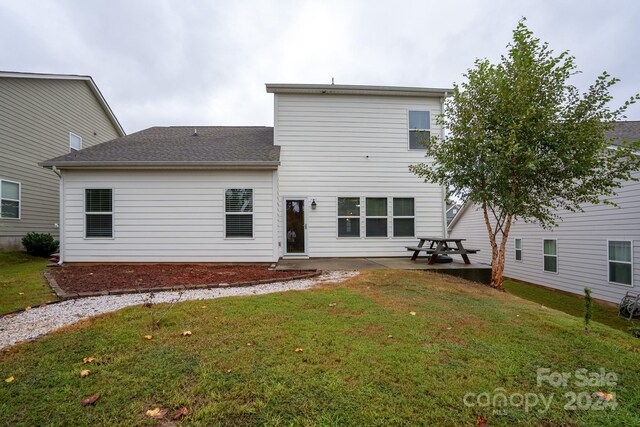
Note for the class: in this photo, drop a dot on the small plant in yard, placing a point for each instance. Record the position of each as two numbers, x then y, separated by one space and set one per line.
156 312
587 308
635 331
40 244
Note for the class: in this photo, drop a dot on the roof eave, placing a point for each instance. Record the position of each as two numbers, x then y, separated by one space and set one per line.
163 165
286 88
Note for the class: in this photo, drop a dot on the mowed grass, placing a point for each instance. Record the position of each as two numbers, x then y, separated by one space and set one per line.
573 305
365 360
21 282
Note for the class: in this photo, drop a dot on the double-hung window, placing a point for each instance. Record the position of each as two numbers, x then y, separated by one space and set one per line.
403 217
348 216
550 255
238 211
376 216
419 129
98 212
75 142
518 245
620 262
9 199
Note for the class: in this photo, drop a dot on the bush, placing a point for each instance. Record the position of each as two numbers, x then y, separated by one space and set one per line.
40 244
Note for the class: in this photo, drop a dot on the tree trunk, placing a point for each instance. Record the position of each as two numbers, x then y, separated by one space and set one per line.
497 252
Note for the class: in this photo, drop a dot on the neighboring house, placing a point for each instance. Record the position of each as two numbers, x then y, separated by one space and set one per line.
329 179
598 248
452 211
41 116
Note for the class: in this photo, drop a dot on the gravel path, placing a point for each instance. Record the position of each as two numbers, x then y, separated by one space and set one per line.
36 322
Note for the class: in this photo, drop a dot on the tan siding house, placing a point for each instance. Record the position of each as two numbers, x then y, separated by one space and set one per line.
43 116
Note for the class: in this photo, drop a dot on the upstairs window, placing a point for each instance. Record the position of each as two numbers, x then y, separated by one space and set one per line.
348 216
376 212
9 199
403 217
620 262
238 208
550 255
75 142
518 244
419 129
98 211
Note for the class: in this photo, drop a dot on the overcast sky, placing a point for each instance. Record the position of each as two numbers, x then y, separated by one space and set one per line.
161 62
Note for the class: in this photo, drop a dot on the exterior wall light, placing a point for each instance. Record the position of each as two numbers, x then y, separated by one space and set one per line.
314 205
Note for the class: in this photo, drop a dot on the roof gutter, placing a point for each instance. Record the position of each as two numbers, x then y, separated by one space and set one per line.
155 165
356 90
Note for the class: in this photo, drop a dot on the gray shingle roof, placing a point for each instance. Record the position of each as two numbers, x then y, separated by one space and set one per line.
627 130
225 146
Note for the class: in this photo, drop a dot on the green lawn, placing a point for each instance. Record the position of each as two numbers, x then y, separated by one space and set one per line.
365 360
573 305
21 282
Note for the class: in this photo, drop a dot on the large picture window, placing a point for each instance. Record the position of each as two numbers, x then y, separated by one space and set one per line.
348 216
403 217
419 129
98 212
238 208
9 199
376 213
620 262
550 255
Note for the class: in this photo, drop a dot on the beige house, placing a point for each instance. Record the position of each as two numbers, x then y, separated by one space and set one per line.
43 116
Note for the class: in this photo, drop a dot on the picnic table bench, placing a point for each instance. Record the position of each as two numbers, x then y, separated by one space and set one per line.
441 248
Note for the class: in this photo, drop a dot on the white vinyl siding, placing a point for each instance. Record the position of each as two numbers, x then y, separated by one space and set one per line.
404 217
238 213
620 256
582 245
376 221
349 216
10 199
518 249
344 146
550 255
75 142
169 216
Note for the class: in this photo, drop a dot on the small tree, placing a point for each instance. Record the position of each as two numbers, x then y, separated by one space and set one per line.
587 308
522 143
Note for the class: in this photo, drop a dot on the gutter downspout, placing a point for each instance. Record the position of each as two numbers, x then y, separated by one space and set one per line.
61 220
445 231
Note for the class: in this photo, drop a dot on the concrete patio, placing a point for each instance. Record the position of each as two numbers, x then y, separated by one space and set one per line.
476 272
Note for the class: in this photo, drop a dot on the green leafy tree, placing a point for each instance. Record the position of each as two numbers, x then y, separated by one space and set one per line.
523 143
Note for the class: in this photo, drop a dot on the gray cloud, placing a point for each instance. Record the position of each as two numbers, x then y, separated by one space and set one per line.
199 62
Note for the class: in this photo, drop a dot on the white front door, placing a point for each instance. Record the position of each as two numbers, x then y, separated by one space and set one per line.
295 226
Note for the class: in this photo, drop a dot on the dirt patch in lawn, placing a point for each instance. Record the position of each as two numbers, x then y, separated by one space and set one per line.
101 278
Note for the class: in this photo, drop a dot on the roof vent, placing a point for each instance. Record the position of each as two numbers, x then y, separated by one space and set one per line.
195 132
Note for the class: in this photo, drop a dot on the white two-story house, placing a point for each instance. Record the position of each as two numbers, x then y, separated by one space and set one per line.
330 178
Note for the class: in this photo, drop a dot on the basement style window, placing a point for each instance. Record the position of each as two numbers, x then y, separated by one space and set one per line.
75 142
403 217
9 199
238 208
419 129
620 262
550 253
518 245
98 212
348 216
376 213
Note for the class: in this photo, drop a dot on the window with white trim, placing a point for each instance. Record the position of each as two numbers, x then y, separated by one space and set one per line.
518 246
376 216
620 262
75 142
348 216
9 199
238 211
419 129
98 212
403 217
550 255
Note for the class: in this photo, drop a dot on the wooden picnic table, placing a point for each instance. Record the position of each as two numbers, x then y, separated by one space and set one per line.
442 247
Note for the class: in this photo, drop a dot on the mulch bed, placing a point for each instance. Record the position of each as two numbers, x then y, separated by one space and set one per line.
100 278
